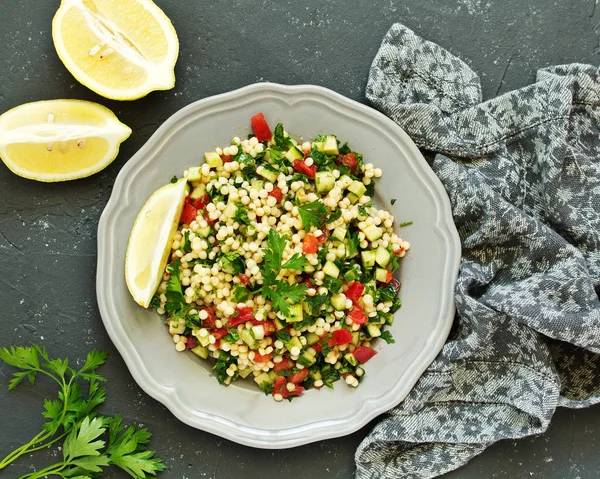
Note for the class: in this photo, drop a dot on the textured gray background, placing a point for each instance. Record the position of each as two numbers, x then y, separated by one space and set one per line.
48 232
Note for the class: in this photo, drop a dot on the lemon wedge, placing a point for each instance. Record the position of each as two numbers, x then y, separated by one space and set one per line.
121 49
59 140
150 241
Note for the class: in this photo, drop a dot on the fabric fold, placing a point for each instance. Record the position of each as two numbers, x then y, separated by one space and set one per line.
523 177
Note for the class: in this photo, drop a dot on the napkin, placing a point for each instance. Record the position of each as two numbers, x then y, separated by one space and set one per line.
522 172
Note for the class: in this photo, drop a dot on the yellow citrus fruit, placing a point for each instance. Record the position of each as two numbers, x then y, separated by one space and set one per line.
59 140
121 49
150 241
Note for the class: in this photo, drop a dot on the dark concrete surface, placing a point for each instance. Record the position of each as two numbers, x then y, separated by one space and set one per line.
48 232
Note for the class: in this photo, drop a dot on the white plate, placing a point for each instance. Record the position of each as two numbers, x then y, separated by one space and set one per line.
241 412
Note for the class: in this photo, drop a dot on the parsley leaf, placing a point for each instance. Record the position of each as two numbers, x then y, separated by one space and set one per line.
387 337
187 244
336 215
312 214
232 263
295 262
174 293
393 201
406 223
174 179
282 142
352 243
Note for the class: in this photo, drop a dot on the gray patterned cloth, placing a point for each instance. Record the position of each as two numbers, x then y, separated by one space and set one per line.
523 175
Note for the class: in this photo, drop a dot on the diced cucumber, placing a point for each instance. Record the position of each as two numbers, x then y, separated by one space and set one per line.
373 330
355 337
213 159
293 154
203 232
368 258
312 338
273 375
258 332
360 372
307 359
257 184
244 373
357 188
330 269
267 172
200 351
330 145
339 233
247 337
194 173
353 273
293 343
338 302
279 324
324 181
296 313
345 181
263 378
203 340
230 210
381 275
373 232
382 256
315 374
352 198
318 145
351 359
198 192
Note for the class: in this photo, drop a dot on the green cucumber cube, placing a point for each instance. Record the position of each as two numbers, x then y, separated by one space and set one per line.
194 174
373 232
213 159
357 188
296 313
324 181
373 330
330 145
381 275
294 154
200 351
339 233
338 302
330 269
382 256
368 258
198 192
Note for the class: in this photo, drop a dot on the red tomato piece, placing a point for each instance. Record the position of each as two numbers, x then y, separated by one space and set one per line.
219 333
244 279
350 160
207 218
310 244
279 385
342 336
317 347
302 167
307 282
228 158
398 251
209 322
189 214
288 394
269 327
298 377
243 314
276 193
262 358
201 203
261 129
389 277
363 354
286 365
355 291
357 315
191 342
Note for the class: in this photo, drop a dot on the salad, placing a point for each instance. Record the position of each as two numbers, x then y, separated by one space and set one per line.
282 268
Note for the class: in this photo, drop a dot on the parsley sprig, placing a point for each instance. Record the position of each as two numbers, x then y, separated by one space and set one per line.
278 291
72 417
313 214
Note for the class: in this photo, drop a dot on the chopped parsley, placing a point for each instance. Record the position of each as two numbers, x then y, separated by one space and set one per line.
406 223
313 214
393 201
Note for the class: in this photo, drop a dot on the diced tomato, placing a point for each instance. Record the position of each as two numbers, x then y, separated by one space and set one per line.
209 322
355 291
317 347
217 344
189 213
298 377
219 333
325 236
279 384
201 203
330 341
227 158
285 365
342 336
388 277
350 160
262 358
244 279
302 167
191 342
269 327
261 129
357 315
399 251
310 244
243 314
208 219
363 354
276 193
288 394
307 282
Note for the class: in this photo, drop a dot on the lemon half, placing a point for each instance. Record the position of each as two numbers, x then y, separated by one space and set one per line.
59 140
150 241
121 49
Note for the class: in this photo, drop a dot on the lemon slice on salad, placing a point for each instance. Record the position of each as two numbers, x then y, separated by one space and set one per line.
59 140
150 241
121 49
